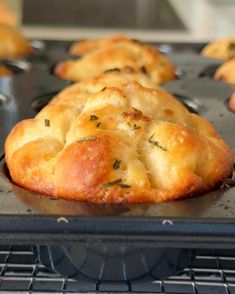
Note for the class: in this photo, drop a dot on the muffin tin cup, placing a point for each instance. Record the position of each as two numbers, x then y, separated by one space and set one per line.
116 242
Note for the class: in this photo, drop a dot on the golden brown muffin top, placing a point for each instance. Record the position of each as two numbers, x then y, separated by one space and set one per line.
120 144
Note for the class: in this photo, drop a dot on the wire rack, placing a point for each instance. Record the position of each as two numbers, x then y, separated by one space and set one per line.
213 271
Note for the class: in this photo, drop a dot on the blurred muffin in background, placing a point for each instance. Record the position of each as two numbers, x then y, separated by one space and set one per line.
223 49
116 52
226 72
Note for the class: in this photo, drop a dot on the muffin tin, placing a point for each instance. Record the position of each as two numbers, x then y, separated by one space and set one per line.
120 242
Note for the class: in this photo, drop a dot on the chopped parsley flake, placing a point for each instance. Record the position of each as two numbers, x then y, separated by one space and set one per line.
156 143
117 164
124 186
134 127
47 123
87 139
93 117
110 184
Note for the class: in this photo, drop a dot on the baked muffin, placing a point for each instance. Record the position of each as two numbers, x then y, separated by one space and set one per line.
223 49
12 43
123 144
232 103
5 71
226 72
118 54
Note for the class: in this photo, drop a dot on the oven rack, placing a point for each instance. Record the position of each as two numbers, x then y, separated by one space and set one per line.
212 271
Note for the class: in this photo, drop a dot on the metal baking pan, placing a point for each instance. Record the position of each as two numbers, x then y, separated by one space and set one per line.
103 242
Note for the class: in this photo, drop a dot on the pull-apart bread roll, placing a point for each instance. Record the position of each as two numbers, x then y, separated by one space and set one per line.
223 49
12 43
109 54
226 72
120 144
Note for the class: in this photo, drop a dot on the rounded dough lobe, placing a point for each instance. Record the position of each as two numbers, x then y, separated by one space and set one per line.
34 165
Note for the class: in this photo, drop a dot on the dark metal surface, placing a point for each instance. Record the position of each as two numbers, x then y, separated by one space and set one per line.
120 262
207 220
212 272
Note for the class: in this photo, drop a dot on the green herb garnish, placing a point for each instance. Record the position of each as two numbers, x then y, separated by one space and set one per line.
143 69
87 139
112 69
134 127
117 164
156 143
47 123
124 186
231 46
110 184
93 117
